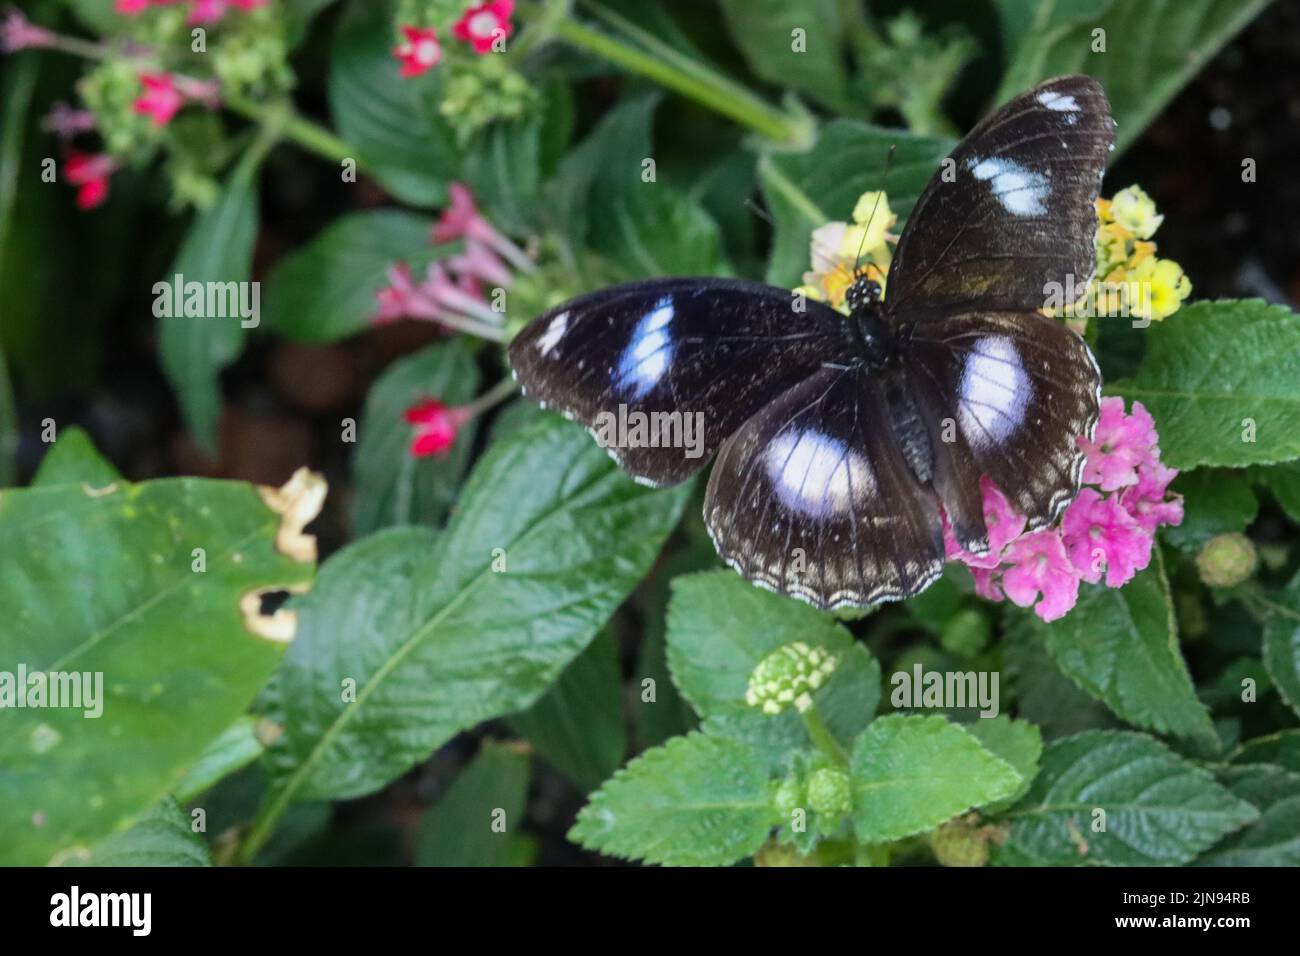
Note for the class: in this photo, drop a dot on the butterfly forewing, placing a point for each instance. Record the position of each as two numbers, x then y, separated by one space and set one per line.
812 497
670 355
1008 221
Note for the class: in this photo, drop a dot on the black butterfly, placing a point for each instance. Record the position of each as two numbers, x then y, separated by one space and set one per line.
839 438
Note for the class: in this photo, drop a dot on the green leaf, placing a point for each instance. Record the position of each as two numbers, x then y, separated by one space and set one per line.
1282 642
578 724
392 486
236 748
326 290
1281 748
392 121
1018 742
720 626
910 774
1042 693
104 583
807 190
1273 839
1214 502
161 837
73 460
763 29
1151 49
433 639
1159 809
218 250
696 801
1215 372
478 819
1121 646
503 167
8 427
1284 483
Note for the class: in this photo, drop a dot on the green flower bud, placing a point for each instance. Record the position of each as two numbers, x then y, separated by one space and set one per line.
828 791
1226 560
787 676
789 796
772 853
966 633
958 843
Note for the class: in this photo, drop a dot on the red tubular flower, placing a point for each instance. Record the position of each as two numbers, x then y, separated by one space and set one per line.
436 426
481 25
90 174
419 52
160 100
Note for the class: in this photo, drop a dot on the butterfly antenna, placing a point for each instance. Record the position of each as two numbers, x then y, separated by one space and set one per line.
884 180
759 211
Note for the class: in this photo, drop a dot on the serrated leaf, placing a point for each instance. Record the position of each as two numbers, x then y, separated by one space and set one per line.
1214 502
763 29
163 836
720 626
1018 742
218 249
578 724
478 819
73 459
1282 642
436 640
1151 49
392 121
909 774
695 801
1273 839
1121 646
807 190
392 486
103 582
1042 693
1215 372
1159 809
326 290
1281 748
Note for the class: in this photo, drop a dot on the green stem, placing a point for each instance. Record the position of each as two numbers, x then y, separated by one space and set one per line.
822 738
657 61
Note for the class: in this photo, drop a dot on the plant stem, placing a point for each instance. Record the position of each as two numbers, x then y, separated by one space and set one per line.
824 740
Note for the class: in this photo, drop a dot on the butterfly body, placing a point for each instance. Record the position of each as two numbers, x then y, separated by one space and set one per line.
843 443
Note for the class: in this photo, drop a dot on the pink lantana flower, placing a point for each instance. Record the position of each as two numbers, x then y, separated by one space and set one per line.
1004 525
436 425
1040 575
1122 442
19 33
1146 501
160 100
90 175
419 50
483 24
1100 535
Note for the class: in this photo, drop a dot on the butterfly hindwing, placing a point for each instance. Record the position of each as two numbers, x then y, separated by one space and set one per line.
812 497
1010 217
713 351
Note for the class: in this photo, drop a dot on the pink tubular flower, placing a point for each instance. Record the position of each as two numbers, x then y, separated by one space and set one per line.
436 426
479 262
19 33
130 8
1039 566
1121 444
206 11
1146 502
1100 535
483 24
461 218
65 122
160 100
90 174
419 51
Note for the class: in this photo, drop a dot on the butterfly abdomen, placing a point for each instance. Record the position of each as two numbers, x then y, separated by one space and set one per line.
909 429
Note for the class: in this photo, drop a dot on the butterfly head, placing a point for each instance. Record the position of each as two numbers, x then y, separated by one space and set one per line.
864 294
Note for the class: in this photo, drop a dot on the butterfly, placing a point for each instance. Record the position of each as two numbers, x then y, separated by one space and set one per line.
843 442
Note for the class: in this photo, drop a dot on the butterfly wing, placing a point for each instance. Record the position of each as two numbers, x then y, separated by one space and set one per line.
1014 210
1004 394
813 497
718 349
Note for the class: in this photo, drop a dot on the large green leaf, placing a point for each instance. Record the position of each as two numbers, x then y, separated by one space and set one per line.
433 639
1043 694
1281 748
106 581
810 189
1273 839
1215 501
392 486
1119 798
910 773
720 626
392 121
72 459
578 724
478 819
1216 372
696 801
194 349
1152 47
236 748
765 32
1018 742
326 289
1121 646
161 837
